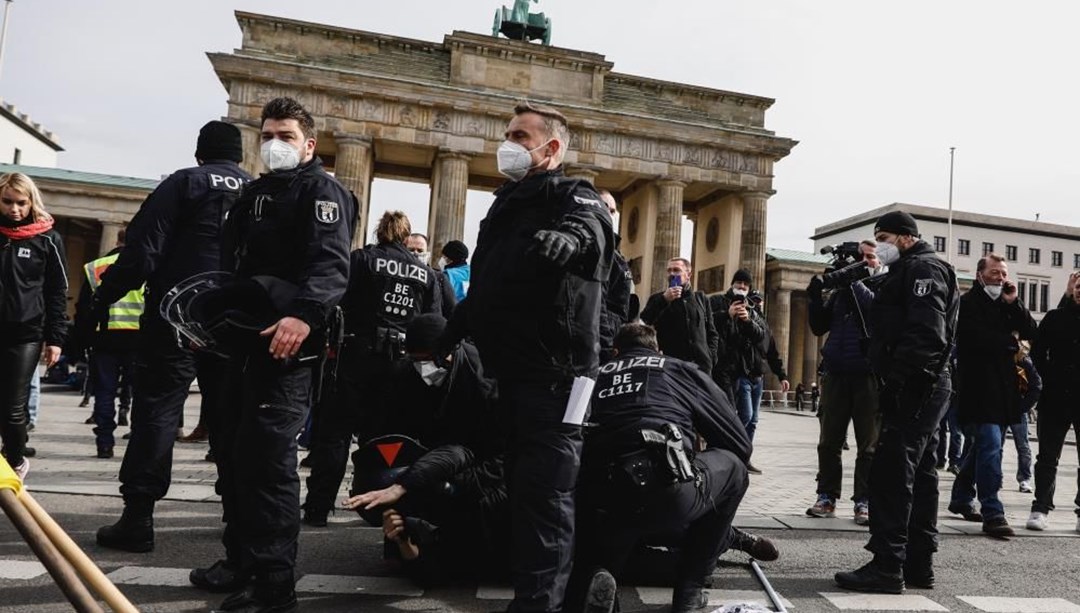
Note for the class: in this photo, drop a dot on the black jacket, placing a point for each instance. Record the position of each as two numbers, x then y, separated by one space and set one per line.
617 291
744 345
913 318
33 289
296 225
530 319
447 299
845 317
985 361
1056 354
388 286
684 327
176 234
652 390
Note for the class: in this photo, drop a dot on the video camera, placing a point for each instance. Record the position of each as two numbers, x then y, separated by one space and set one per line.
846 267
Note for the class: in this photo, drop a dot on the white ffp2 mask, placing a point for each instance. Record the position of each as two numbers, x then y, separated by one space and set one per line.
279 155
514 160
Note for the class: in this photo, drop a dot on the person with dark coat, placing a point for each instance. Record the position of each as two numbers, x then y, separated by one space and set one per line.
618 288
533 310
1056 354
294 224
417 244
388 287
683 318
643 474
450 408
912 330
33 305
1030 384
175 235
992 316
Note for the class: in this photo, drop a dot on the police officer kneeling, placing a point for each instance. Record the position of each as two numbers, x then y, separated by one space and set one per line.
641 477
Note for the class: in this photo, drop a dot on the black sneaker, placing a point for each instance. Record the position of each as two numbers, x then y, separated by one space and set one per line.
104 452
221 577
870 578
759 547
969 513
689 600
602 593
998 527
248 601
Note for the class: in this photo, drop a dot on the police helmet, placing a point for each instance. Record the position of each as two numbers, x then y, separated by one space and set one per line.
223 313
378 463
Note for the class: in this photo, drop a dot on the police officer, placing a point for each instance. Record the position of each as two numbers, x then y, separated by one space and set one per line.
295 223
640 475
533 310
912 329
618 289
175 234
388 286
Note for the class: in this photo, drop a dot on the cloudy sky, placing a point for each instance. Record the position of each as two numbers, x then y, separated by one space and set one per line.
876 92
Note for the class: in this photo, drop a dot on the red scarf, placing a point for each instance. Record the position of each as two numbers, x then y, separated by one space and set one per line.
29 230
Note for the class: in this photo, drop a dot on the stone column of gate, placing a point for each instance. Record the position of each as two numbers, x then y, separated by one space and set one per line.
780 324
251 141
354 166
752 254
669 206
110 234
446 215
800 324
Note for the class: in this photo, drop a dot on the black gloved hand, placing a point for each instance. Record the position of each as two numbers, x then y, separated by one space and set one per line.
556 247
98 309
815 288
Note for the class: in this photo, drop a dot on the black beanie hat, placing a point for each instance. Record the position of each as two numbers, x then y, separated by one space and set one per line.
743 275
897 222
423 332
219 141
455 251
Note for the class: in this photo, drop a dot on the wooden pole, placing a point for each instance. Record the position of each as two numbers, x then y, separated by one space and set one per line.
60 569
82 563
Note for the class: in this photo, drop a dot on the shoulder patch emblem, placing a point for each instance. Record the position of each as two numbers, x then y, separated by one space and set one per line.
327 211
922 287
589 201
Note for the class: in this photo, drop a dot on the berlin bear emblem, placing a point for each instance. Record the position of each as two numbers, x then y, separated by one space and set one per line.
327 211
922 287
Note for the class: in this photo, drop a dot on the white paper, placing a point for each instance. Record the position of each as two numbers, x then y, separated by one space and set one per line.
578 405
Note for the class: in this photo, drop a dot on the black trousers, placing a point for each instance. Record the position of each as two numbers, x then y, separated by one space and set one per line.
543 462
264 409
112 370
903 477
1055 419
17 364
695 517
164 371
348 407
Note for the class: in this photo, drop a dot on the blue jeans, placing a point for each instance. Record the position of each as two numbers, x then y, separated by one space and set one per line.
1023 449
748 402
35 396
980 470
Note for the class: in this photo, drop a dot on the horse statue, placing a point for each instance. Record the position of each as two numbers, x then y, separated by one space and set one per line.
519 24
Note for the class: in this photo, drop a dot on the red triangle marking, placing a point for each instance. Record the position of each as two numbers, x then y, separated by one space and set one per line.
389 451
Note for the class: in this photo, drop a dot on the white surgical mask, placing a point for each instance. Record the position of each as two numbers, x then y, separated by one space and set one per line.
442 262
423 256
515 160
740 292
279 155
994 291
431 374
887 253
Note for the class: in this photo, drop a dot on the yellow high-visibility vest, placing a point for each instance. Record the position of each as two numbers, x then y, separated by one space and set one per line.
123 314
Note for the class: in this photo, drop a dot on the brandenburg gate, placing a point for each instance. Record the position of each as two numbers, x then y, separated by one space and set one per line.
397 108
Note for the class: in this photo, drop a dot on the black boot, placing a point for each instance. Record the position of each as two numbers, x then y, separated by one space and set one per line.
222 577
759 547
919 570
252 600
872 578
122 419
689 600
134 532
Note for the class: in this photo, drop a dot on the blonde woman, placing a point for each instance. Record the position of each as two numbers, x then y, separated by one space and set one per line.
33 299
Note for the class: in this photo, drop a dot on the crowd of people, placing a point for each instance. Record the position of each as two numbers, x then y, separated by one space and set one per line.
517 416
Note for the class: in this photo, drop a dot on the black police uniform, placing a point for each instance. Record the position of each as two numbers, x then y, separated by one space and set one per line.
617 308
627 490
296 225
536 325
912 330
176 234
388 286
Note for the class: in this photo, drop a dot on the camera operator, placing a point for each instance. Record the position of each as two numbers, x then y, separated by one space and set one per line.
848 387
